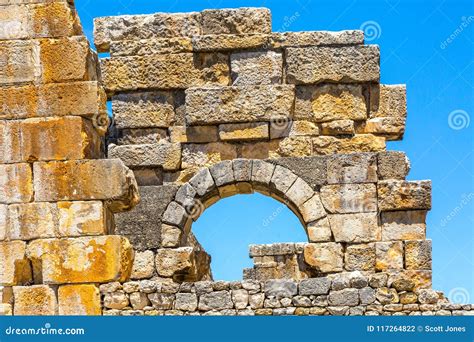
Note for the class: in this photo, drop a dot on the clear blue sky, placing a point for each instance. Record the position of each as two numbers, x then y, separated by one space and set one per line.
440 80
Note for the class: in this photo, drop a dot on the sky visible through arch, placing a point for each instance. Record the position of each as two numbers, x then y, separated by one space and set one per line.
426 44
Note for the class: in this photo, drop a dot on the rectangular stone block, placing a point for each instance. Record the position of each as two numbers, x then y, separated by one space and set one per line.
203 155
244 131
239 104
75 98
236 21
32 221
360 257
79 300
316 38
81 260
388 101
3 221
67 59
194 134
138 136
49 139
325 145
329 102
19 62
324 257
392 165
391 128
143 109
23 22
418 255
151 46
133 27
403 225
164 154
310 65
175 71
16 269
259 67
106 179
338 127
227 42
84 218
16 181
349 198
389 255
355 228
36 300
404 195
352 168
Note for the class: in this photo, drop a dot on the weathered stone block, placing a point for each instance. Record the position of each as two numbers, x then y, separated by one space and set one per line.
133 27
299 146
299 192
32 221
352 168
170 236
281 288
240 298
353 228
142 225
194 134
244 131
18 62
311 169
143 265
186 301
325 145
403 225
36 300
86 180
236 21
175 71
215 301
84 218
418 255
79 300
392 165
313 210
75 98
324 257
150 46
143 109
316 38
314 286
227 42
116 300
339 127
138 136
390 128
348 297
162 154
78 260
404 195
170 262
256 67
330 102
349 198
282 179
16 181
253 103
339 64
319 231
3 221
388 101
360 257
389 255
15 268
204 155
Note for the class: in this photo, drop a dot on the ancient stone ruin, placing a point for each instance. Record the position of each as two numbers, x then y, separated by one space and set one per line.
205 106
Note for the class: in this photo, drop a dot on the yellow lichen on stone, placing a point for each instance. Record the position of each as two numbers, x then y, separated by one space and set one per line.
79 300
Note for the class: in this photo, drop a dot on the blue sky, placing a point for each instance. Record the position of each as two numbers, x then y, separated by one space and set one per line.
427 45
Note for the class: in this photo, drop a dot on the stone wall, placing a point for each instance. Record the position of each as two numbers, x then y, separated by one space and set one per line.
205 106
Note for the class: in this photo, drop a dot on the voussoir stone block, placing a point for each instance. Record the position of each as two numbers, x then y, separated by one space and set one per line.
353 228
299 192
222 173
236 21
79 300
15 268
262 172
349 198
324 257
404 195
252 103
324 103
36 300
86 180
312 209
174 71
203 182
282 179
81 260
256 68
338 64
16 182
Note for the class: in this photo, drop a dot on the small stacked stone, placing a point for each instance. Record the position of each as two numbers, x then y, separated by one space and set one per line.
57 196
